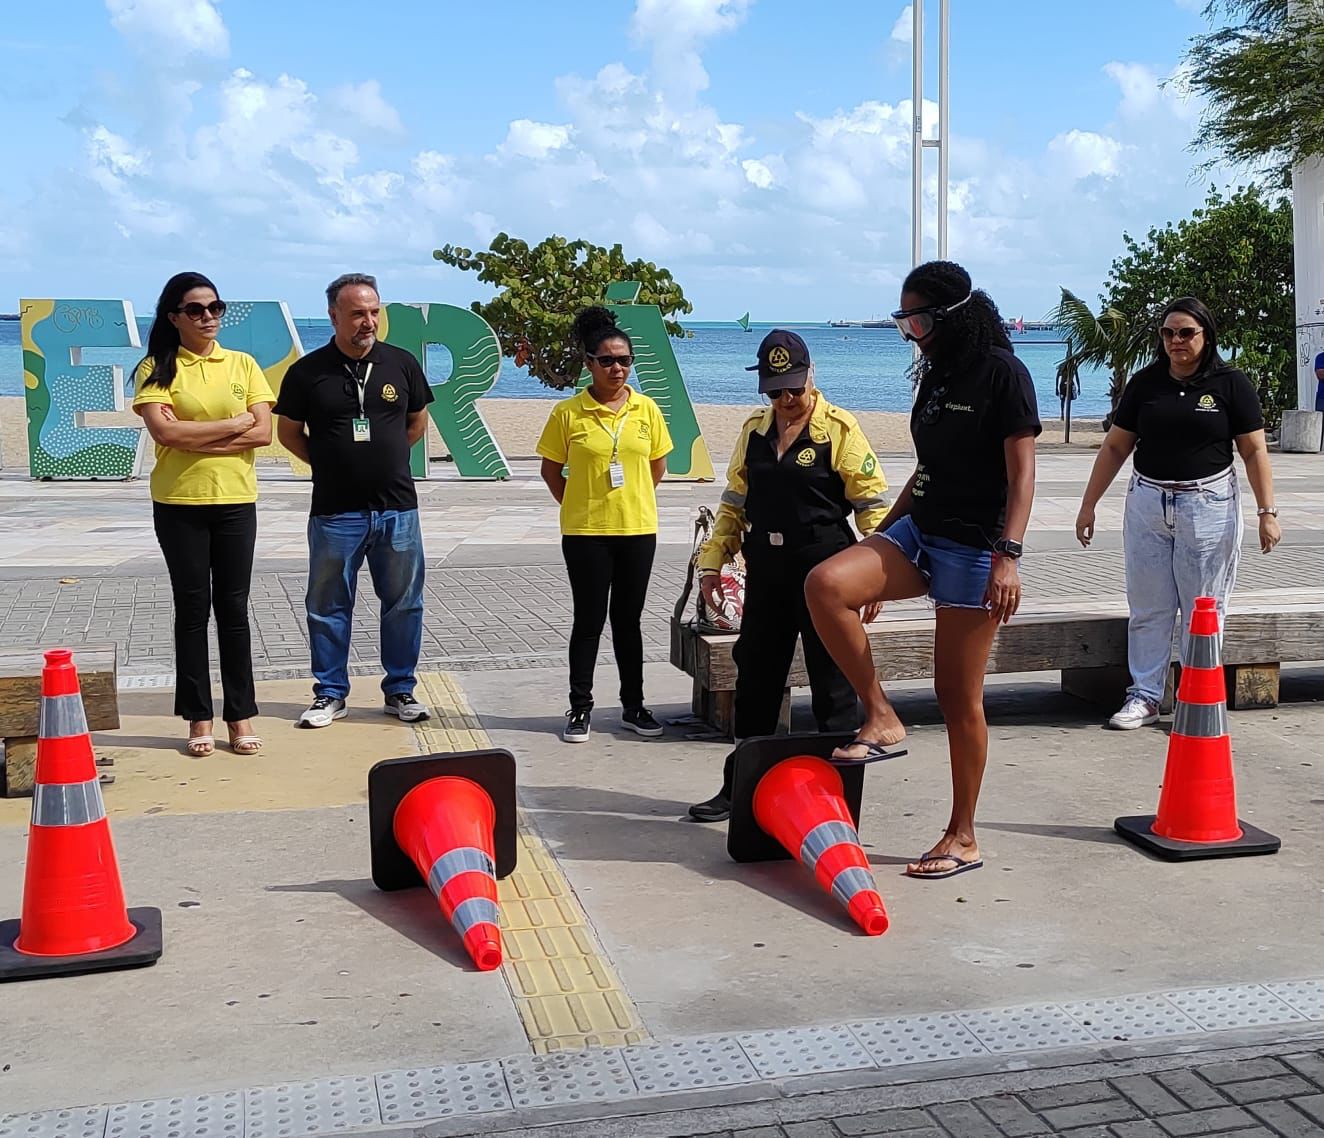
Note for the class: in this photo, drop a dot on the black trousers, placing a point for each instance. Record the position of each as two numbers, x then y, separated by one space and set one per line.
608 575
775 615
209 553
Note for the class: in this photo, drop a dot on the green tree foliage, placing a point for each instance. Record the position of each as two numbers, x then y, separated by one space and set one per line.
1235 254
541 287
1112 339
1262 76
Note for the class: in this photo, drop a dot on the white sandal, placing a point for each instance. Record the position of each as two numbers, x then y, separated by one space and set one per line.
239 743
193 746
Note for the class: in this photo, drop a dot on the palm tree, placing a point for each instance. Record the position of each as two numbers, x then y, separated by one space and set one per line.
1110 339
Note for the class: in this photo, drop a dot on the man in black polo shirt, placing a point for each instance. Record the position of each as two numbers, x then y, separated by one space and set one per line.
352 409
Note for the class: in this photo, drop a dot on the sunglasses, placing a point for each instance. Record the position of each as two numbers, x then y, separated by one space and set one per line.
918 323
933 408
611 361
777 392
196 311
1182 335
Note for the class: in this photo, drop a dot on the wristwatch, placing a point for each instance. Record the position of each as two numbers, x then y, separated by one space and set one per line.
1005 547
1272 511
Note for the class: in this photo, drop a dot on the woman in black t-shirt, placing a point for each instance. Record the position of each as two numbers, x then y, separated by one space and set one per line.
954 535
1182 526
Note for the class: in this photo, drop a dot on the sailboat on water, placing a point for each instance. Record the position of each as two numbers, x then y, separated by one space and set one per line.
744 322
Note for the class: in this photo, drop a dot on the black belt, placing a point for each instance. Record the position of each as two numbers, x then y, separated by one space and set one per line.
798 536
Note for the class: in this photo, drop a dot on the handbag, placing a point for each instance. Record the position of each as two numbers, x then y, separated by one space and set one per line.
727 617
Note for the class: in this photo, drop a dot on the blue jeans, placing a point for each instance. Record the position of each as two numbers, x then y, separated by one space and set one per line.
1180 544
337 545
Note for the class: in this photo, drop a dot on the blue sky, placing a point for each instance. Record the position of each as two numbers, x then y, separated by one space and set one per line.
759 151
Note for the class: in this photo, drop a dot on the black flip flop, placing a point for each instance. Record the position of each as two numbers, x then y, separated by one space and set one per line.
874 752
960 865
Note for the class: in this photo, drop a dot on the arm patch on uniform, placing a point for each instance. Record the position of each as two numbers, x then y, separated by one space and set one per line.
869 465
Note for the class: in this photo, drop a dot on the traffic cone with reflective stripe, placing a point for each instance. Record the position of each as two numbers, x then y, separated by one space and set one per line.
74 918
801 804
449 820
1197 811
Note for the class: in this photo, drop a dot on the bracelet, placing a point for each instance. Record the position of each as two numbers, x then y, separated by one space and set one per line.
1272 511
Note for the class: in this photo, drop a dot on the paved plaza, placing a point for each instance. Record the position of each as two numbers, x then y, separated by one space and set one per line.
652 986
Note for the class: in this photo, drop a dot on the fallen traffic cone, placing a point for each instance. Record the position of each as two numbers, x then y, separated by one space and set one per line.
449 821
787 801
1197 811
74 918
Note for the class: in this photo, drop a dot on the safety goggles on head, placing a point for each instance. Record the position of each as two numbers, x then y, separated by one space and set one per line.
918 323
195 311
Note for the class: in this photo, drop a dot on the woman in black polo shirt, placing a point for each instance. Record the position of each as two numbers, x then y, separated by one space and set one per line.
954 535
1182 526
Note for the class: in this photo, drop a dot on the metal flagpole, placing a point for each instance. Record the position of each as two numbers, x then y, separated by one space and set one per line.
919 142
944 122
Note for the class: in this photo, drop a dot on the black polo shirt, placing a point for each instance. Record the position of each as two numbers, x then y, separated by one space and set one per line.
320 390
797 493
1185 430
960 423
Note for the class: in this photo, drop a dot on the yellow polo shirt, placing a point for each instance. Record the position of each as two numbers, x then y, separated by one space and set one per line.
206 389
581 434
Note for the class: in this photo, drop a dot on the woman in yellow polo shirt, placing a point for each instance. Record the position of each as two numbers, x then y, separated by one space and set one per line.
208 409
603 452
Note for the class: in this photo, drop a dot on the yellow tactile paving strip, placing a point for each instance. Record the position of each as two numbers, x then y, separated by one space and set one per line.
566 992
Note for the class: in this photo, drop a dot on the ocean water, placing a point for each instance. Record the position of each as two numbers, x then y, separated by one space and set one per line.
863 369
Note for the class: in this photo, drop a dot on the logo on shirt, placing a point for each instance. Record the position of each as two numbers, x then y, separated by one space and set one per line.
389 393
645 431
1206 403
959 407
869 465
237 390
805 457
779 359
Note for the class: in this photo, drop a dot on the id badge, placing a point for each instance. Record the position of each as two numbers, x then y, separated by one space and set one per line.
616 472
362 431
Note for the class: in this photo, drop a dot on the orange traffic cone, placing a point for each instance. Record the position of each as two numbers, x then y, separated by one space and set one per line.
448 820
1197 811
788 799
74 918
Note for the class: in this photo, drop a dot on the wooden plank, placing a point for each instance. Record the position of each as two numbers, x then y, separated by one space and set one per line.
1252 686
19 767
20 689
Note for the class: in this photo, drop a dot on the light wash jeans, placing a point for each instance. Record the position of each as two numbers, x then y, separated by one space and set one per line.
392 543
1180 544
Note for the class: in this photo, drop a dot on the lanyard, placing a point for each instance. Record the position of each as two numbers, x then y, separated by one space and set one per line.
360 384
616 435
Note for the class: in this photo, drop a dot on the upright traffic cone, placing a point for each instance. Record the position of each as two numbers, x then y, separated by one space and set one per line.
448 820
1197 811
806 807
74 918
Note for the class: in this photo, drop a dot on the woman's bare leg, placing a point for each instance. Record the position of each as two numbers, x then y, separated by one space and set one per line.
961 646
836 590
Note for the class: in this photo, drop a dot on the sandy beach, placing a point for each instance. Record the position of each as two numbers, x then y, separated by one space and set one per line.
516 423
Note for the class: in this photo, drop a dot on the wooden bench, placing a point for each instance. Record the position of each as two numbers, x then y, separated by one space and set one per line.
1086 645
20 706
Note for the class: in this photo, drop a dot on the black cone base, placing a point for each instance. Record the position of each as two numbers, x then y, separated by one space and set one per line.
143 949
1136 830
746 840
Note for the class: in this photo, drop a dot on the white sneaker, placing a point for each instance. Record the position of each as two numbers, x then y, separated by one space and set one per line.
322 711
1135 712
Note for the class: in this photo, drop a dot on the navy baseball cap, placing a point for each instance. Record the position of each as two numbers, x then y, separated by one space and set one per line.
783 361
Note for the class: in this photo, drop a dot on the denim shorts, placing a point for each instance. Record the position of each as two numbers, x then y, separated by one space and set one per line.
956 574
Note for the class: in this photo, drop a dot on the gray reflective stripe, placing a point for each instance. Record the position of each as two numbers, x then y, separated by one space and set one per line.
475 911
822 838
1201 652
67 804
850 881
731 498
1200 720
463 859
62 716
861 504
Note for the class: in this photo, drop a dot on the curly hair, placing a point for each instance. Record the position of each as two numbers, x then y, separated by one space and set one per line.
967 333
593 325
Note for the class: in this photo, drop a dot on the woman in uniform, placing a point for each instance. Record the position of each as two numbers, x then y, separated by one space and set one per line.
801 469
954 535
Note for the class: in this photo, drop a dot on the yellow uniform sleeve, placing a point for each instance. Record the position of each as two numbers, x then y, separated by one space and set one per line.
143 394
729 526
259 390
662 444
554 443
860 470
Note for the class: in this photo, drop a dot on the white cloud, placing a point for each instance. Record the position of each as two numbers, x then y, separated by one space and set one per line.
1083 153
171 28
363 103
903 31
758 173
528 139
